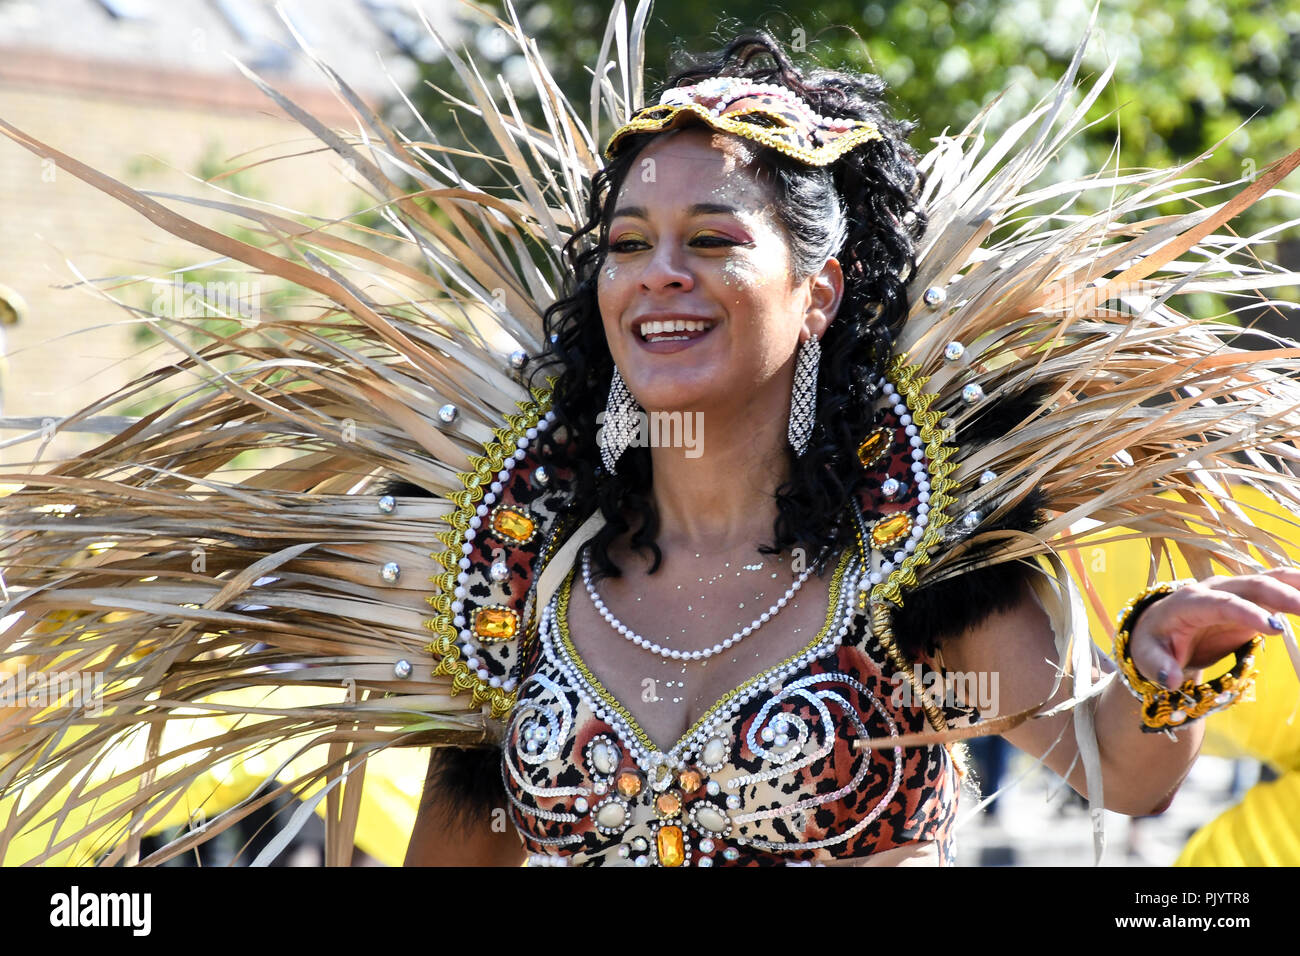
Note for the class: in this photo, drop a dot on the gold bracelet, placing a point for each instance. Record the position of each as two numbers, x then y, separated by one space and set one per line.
1164 709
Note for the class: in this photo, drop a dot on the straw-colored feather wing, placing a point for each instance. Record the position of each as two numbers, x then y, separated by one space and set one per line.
182 583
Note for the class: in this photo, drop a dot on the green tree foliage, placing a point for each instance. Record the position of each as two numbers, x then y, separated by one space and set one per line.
1189 72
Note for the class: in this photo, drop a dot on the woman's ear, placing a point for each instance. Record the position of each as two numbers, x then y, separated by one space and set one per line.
825 293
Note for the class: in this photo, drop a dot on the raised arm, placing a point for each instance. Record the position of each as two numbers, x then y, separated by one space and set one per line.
1179 634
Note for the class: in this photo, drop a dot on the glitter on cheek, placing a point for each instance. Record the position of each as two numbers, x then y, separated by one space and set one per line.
739 270
611 271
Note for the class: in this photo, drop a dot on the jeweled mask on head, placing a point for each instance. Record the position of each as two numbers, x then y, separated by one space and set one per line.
766 113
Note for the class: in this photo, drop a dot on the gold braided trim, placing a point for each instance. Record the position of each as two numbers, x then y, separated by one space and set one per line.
566 641
485 466
884 632
1164 709
552 544
909 382
790 143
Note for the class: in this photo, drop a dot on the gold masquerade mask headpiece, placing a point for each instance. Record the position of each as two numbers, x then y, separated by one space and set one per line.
763 112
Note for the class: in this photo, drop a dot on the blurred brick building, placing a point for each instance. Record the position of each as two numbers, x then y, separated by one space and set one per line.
145 91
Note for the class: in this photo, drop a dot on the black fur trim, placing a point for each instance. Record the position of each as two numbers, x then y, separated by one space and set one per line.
465 784
1003 412
947 608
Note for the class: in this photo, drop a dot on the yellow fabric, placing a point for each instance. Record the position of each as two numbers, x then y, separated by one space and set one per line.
394 780
1262 830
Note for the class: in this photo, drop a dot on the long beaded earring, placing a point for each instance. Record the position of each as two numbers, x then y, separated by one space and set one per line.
803 397
620 423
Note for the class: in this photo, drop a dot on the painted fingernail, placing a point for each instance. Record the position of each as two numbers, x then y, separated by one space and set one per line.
1162 678
1275 622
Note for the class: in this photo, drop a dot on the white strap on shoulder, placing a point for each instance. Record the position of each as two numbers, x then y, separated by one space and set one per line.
560 564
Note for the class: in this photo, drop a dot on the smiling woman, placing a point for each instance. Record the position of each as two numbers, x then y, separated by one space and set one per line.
758 640
746 259
717 278
699 224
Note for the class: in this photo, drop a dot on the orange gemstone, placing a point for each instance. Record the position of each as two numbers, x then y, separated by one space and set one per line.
672 849
495 623
628 783
668 804
691 780
886 531
514 523
874 446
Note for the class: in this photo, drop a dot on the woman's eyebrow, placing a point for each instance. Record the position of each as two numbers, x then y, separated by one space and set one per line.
698 209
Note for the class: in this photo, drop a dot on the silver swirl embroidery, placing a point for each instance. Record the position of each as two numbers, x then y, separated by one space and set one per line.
785 767
556 735
818 699
532 707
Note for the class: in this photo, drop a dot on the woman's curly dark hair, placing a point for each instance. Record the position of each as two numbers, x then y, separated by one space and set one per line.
868 200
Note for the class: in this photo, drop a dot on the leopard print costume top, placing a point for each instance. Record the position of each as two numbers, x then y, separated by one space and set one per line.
772 773
769 776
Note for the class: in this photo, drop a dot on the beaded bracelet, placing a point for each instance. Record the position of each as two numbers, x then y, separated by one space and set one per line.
1164 709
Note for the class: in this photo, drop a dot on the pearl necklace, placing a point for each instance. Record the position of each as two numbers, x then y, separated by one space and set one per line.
707 652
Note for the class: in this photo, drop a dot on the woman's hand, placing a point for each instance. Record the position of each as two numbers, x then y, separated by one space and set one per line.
1203 622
